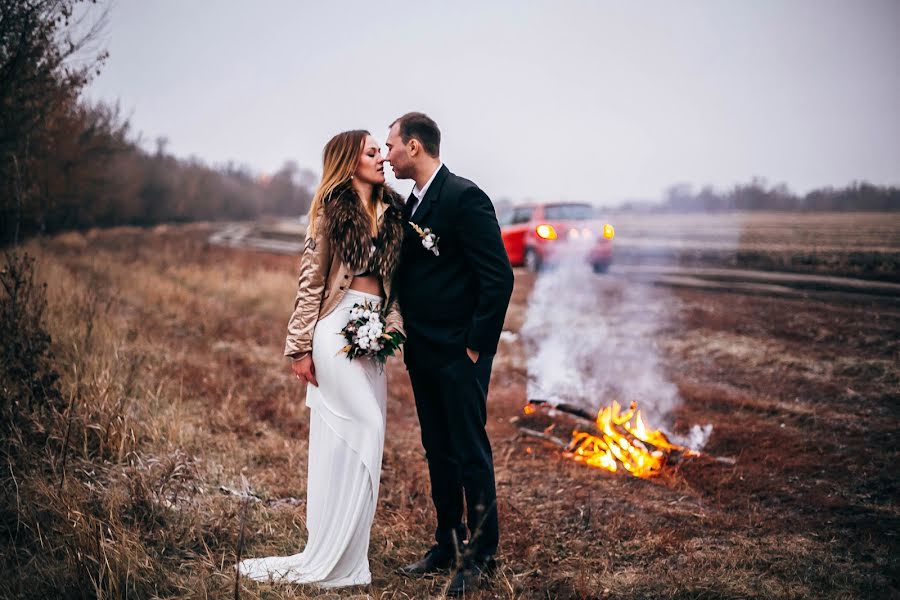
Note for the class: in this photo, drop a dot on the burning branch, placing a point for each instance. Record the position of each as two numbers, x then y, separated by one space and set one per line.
614 440
570 409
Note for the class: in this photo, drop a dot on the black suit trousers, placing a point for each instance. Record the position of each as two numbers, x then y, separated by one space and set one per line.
451 400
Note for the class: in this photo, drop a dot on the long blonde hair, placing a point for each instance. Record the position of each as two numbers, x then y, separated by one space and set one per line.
339 160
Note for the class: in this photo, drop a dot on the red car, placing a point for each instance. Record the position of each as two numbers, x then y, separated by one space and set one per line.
538 234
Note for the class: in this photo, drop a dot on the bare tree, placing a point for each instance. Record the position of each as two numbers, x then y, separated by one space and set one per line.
48 52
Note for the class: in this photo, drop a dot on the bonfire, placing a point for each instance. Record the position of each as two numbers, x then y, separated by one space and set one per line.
616 440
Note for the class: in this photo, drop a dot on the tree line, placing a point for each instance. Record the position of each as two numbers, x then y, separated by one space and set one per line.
759 195
66 163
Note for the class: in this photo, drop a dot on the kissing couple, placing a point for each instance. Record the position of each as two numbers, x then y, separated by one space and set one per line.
434 267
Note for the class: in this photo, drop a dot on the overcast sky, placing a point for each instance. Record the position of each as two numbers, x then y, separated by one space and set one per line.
576 100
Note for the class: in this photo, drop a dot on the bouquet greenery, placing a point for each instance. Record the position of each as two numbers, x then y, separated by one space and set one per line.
366 336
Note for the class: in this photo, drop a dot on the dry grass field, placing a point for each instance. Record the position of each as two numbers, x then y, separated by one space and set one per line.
175 392
865 245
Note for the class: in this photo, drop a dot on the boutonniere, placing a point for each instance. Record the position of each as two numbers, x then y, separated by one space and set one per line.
429 239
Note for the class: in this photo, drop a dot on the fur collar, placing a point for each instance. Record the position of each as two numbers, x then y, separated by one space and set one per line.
348 231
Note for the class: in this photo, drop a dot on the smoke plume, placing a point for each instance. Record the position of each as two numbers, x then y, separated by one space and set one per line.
591 339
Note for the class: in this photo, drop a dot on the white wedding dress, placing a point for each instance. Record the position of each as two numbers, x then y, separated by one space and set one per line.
346 442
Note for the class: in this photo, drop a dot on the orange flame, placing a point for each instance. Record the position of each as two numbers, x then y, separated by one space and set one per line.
623 441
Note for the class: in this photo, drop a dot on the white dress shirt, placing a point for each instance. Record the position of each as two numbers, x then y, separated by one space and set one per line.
419 194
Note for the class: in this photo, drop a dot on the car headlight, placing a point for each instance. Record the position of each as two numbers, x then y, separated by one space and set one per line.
546 232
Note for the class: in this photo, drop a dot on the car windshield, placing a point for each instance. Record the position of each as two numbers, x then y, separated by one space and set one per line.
568 212
522 214
515 216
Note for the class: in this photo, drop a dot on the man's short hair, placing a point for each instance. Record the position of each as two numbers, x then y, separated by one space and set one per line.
421 127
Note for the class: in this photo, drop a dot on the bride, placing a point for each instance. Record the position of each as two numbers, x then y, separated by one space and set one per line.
351 251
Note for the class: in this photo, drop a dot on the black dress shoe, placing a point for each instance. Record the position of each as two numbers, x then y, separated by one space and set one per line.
436 559
468 579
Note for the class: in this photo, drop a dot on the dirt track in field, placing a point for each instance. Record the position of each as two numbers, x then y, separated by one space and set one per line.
763 283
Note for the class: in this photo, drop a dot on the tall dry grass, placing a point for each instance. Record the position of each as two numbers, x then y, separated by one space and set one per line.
108 501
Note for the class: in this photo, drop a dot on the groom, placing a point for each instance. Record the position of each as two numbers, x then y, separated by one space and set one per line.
453 289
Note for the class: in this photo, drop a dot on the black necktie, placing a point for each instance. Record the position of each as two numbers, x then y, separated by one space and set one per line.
408 207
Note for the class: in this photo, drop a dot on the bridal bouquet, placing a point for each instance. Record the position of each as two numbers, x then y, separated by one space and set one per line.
365 334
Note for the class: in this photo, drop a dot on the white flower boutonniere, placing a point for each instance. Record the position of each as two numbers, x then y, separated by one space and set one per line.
429 239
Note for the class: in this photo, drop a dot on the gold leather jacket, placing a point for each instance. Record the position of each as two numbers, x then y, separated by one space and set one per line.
339 248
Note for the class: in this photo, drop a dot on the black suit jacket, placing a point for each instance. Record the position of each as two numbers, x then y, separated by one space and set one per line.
458 298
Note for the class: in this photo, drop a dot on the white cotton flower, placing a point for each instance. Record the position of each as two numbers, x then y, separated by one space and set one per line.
366 314
364 343
363 331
